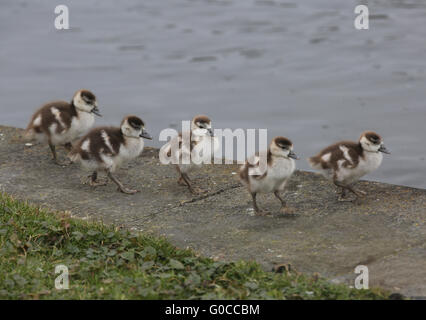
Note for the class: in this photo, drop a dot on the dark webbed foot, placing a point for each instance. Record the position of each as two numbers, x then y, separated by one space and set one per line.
288 211
197 191
98 183
284 209
94 182
68 146
342 196
120 186
127 191
262 213
181 182
256 208
65 163
184 180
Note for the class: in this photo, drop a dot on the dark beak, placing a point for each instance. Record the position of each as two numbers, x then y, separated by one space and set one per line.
145 135
383 149
95 110
293 155
210 130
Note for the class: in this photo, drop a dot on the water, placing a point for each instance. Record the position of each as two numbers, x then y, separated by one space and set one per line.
298 68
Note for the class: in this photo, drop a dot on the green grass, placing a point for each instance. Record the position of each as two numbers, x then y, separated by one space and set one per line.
110 263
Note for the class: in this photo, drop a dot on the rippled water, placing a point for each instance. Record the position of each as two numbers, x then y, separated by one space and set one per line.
298 68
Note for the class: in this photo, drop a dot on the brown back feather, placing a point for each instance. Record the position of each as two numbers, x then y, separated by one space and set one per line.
355 152
67 111
97 145
244 175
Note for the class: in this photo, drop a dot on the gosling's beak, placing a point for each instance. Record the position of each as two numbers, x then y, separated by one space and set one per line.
383 149
95 110
210 130
293 155
145 135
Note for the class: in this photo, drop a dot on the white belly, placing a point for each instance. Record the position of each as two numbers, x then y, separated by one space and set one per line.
276 177
203 153
81 125
371 162
204 150
131 150
78 127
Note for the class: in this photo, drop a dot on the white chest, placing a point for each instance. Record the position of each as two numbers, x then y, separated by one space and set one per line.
277 175
370 162
79 125
204 149
282 168
83 123
131 149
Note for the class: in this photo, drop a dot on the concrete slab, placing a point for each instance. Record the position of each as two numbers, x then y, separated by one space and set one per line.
386 230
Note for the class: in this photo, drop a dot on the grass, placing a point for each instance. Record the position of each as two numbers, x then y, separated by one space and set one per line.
105 262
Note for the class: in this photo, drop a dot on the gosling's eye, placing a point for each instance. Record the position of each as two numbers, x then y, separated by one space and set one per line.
284 148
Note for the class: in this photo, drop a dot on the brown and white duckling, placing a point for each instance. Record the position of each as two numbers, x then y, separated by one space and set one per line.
280 166
106 148
346 162
60 122
199 149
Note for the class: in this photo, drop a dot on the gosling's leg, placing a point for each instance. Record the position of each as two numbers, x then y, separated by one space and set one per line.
284 209
120 185
255 207
93 180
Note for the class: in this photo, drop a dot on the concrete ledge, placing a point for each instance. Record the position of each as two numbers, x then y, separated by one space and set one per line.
385 231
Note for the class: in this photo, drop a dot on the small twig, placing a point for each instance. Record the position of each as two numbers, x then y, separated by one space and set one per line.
207 195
